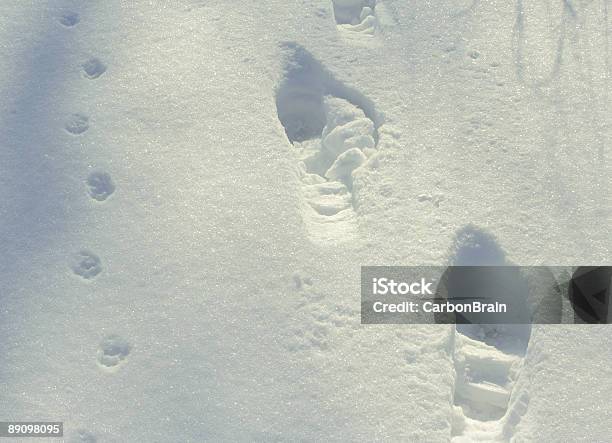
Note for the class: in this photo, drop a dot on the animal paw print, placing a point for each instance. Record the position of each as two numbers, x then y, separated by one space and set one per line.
101 185
93 68
77 124
69 19
87 265
113 351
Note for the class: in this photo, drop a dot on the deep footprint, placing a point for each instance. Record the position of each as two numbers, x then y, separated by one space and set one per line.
355 17
334 130
488 358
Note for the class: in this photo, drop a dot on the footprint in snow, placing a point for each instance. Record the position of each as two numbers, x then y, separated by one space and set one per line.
355 17
334 135
488 358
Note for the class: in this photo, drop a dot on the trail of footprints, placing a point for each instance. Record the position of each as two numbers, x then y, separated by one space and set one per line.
100 185
113 350
335 131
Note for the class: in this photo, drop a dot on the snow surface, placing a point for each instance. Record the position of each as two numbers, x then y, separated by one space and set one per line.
172 268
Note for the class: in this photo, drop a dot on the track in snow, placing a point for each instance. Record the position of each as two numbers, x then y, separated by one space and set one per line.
113 350
541 34
488 359
334 130
484 387
355 17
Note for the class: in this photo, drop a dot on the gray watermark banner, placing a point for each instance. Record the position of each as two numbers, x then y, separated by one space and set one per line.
485 294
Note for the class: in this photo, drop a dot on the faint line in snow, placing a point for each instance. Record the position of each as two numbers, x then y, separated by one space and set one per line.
534 65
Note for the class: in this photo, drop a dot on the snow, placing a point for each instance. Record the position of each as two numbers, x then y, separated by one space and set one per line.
188 191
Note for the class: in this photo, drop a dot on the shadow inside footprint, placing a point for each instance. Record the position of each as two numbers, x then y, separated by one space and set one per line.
333 127
480 271
300 96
